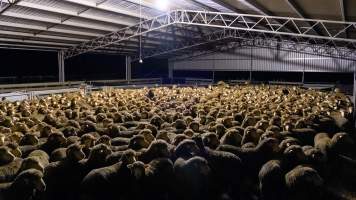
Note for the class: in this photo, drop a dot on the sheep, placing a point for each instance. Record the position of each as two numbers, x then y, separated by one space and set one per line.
304 183
163 135
304 135
14 149
226 167
316 159
25 186
62 177
58 154
54 141
121 119
271 181
158 178
231 137
9 165
194 178
194 126
37 159
250 135
88 141
342 143
147 134
29 139
157 149
211 140
293 156
105 182
138 142
119 141
186 149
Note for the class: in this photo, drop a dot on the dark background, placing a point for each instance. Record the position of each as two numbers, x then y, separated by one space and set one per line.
22 66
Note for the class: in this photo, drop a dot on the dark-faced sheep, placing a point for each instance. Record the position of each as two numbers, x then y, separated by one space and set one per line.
304 183
225 166
112 182
26 185
193 179
62 177
157 149
271 181
231 137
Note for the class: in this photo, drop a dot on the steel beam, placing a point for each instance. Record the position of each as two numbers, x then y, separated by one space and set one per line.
7 4
232 21
301 14
45 8
122 35
82 14
343 14
102 6
261 40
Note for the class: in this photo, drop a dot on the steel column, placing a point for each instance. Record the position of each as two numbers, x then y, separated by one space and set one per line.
61 74
251 62
128 69
354 96
170 70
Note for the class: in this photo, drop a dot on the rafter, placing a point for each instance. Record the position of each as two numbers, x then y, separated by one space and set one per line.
7 4
294 6
231 21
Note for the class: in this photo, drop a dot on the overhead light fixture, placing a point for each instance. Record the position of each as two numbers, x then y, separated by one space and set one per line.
140 36
162 4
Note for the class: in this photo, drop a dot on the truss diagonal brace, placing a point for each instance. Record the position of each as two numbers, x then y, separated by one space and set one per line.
231 21
6 4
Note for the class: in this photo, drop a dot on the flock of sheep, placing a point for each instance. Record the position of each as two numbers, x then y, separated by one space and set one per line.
243 142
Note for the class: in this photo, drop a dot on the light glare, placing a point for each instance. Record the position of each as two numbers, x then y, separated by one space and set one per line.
162 4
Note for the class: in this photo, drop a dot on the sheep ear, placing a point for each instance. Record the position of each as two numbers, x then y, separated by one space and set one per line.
130 166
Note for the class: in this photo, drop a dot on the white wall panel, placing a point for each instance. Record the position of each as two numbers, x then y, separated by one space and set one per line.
264 59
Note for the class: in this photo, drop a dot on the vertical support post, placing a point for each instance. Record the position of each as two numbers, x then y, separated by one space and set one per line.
61 74
213 81
354 96
128 69
170 70
304 63
251 60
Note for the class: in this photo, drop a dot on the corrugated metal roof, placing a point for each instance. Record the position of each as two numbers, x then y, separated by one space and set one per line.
73 21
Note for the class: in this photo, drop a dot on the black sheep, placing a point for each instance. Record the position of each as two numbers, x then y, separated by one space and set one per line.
186 149
64 176
254 158
54 141
293 156
231 137
157 149
304 183
138 142
26 185
193 179
158 182
211 140
97 158
226 168
271 181
111 182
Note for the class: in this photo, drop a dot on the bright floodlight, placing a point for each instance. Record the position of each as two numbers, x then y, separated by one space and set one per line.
162 4
140 61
